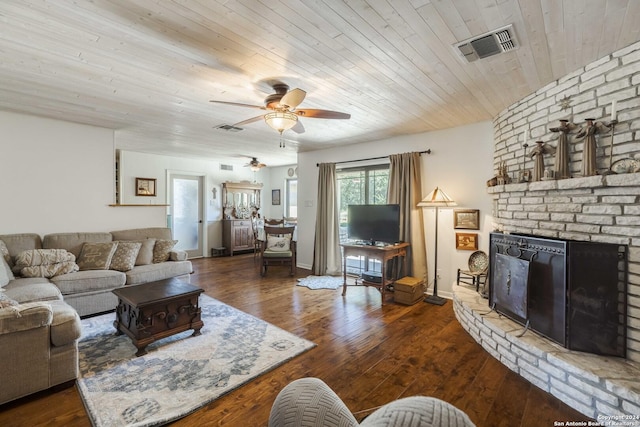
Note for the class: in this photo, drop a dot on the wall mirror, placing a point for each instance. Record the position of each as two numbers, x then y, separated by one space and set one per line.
240 200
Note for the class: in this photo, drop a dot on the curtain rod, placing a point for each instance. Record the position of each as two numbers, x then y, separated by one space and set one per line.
374 158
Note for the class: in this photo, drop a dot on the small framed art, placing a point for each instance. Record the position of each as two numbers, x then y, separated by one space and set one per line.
466 219
145 187
467 241
275 197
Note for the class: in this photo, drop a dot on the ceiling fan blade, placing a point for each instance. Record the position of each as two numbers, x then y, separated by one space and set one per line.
238 104
298 127
246 122
293 98
322 114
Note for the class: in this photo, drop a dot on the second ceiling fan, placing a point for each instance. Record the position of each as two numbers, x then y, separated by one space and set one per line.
283 113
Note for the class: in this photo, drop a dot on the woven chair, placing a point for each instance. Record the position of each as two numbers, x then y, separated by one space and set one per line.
477 272
309 402
278 248
274 221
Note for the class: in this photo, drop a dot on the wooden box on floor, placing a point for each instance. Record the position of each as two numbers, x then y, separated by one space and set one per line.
408 290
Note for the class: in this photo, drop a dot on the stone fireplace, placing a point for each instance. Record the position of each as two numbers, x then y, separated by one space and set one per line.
603 208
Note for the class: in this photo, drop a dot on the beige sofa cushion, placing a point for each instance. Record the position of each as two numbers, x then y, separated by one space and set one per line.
162 233
25 316
89 281
17 243
150 273
145 255
96 256
26 290
65 325
73 242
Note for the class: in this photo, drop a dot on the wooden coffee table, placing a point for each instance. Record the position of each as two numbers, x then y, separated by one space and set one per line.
156 310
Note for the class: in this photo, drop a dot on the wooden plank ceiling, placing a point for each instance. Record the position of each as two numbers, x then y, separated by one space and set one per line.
148 68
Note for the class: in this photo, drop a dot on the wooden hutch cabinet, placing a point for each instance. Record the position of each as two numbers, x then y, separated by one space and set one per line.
241 202
237 235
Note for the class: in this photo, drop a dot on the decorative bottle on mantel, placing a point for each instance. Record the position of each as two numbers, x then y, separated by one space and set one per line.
561 166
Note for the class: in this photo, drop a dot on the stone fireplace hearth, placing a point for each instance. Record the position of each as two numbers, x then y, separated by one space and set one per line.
596 386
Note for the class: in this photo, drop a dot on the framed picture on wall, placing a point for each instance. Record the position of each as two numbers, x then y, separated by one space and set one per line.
467 241
145 187
275 197
466 219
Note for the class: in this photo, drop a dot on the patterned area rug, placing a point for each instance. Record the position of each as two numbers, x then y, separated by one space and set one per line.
179 374
321 282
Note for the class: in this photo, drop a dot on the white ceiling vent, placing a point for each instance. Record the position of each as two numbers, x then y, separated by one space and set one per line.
229 128
224 167
492 43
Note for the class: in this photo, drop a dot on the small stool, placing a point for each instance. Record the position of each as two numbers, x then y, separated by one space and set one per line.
477 272
221 251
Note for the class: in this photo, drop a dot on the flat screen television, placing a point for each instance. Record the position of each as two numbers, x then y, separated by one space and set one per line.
373 224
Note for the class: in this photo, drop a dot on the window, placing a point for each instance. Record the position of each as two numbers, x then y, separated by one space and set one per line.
291 198
360 186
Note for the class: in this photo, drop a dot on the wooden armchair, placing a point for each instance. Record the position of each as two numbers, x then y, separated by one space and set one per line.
274 221
278 248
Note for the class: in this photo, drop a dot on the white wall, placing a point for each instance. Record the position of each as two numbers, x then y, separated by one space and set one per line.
460 163
133 164
57 176
277 181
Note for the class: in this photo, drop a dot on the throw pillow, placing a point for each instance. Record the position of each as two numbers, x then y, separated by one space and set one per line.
4 252
6 275
124 259
96 256
162 250
278 244
145 255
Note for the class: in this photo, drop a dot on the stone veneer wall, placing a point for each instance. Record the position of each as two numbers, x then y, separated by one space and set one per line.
602 208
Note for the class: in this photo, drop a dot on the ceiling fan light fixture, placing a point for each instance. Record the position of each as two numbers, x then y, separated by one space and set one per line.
281 120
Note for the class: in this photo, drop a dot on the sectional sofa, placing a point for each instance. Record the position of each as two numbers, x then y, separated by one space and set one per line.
72 277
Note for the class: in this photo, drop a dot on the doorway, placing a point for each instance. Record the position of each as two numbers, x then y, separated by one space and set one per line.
186 213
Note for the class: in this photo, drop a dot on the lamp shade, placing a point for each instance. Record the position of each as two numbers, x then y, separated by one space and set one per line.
281 120
437 198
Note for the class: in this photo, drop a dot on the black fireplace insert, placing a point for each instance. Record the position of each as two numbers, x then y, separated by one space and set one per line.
572 292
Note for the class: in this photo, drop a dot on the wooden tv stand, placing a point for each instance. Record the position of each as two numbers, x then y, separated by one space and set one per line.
381 253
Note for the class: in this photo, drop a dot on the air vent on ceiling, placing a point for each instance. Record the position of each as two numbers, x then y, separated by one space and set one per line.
226 167
492 43
229 128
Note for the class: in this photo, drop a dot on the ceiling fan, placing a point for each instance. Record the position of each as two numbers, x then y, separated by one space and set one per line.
255 165
283 114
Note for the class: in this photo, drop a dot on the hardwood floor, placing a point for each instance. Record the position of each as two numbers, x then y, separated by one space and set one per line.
368 354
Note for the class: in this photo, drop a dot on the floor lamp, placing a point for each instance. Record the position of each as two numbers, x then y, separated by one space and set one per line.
436 199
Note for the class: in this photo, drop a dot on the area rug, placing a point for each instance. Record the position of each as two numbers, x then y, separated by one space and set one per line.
179 374
321 282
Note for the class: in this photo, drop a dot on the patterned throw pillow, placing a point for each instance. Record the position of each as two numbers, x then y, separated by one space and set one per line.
278 244
4 252
145 256
162 250
6 275
96 256
124 259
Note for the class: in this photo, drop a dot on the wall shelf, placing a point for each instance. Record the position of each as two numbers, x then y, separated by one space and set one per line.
119 205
